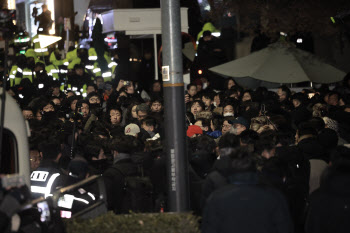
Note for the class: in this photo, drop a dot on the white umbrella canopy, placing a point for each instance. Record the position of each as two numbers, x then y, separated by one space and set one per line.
281 63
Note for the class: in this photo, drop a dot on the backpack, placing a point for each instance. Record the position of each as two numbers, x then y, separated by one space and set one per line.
138 192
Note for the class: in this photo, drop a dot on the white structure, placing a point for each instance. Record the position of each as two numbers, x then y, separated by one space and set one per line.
81 7
139 22
18 128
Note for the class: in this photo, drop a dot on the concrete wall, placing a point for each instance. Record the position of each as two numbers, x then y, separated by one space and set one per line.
80 6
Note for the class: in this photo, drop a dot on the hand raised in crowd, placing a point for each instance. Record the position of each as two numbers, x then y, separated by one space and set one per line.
187 98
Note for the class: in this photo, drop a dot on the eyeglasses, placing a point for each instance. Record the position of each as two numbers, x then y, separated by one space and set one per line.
226 126
94 100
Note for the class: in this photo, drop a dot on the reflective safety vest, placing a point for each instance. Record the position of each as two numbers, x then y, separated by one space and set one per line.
83 91
92 54
54 60
37 49
29 74
107 76
44 181
71 55
207 27
53 71
96 70
75 61
31 53
69 87
15 75
63 87
112 65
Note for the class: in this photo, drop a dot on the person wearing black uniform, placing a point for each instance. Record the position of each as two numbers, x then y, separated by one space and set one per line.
45 21
48 176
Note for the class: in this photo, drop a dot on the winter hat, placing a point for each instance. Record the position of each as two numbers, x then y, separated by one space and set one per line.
132 130
242 121
78 168
194 129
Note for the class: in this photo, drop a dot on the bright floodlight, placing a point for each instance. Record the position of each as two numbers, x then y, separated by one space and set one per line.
48 40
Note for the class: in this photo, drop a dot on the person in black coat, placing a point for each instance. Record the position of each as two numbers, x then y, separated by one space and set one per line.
300 113
45 21
245 205
123 166
78 78
307 143
221 169
209 50
329 205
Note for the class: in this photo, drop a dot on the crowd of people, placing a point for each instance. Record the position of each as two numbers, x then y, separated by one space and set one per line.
259 161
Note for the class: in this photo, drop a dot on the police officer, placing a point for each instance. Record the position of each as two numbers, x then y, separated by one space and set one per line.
48 176
45 21
16 72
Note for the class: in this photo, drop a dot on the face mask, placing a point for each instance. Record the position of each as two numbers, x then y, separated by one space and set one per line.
234 131
214 103
57 107
122 99
49 115
95 109
151 133
205 85
228 114
95 106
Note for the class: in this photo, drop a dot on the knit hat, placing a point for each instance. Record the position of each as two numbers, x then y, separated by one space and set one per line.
132 130
194 129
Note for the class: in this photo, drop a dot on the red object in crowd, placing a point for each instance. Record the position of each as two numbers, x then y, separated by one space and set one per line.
194 129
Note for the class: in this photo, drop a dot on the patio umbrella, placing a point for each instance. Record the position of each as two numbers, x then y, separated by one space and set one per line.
189 51
281 63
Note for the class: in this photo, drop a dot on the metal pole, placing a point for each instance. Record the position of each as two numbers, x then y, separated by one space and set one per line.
3 95
174 103
155 56
67 41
